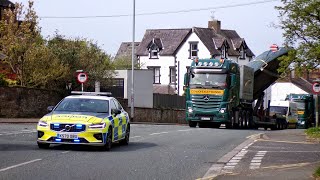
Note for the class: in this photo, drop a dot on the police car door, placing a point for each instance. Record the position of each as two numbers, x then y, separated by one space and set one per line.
118 121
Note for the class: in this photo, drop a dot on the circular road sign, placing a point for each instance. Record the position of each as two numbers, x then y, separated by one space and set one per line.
82 77
274 48
316 87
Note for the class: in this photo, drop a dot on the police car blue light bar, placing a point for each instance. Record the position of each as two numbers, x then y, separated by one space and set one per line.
92 93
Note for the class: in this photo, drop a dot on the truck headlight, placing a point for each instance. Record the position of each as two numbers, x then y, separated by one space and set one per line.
98 126
42 123
222 110
190 110
302 122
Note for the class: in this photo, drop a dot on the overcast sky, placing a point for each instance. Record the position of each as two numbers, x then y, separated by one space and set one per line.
252 22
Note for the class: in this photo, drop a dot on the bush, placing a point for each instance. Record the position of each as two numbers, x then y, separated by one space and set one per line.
3 81
313 132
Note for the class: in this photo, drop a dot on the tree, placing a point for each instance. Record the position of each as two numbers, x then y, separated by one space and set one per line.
22 43
81 54
125 62
300 20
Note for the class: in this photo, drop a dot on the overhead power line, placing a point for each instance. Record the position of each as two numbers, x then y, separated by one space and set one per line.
158 13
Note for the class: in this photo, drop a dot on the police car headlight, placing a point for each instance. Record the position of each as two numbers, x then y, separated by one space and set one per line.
42 123
222 110
98 126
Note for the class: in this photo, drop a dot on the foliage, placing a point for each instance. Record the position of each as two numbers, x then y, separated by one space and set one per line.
313 132
125 62
317 173
42 63
81 54
300 20
3 81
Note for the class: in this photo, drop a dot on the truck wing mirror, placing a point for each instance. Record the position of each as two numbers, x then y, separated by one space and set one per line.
186 79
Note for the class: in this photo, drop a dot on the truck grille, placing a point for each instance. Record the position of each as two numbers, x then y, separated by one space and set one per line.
206 102
68 127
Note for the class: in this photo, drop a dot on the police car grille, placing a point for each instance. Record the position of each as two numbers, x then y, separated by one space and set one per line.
62 127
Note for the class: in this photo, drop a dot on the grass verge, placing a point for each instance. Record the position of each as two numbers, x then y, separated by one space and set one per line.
313 133
317 173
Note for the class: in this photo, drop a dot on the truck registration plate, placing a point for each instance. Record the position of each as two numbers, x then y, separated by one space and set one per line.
205 118
68 136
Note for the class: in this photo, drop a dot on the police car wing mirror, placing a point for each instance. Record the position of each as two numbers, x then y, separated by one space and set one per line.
115 111
50 108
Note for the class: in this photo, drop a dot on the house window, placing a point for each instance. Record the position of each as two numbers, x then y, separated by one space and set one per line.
172 75
193 49
156 74
154 52
223 52
242 53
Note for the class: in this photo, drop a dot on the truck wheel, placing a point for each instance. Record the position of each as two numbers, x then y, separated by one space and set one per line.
274 127
192 124
265 128
241 119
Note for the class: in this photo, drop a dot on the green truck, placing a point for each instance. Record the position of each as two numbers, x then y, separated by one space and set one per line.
306 105
220 91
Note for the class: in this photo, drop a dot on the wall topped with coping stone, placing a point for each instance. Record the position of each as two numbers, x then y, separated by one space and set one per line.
19 102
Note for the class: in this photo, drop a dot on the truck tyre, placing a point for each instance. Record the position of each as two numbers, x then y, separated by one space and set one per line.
241 119
265 128
192 124
215 125
228 125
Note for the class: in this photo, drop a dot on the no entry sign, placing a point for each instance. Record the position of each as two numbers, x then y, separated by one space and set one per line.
82 77
316 88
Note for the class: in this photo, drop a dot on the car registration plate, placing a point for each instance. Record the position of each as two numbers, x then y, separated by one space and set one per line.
68 136
205 118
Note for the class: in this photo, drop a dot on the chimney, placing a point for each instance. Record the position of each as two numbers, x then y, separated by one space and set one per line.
215 24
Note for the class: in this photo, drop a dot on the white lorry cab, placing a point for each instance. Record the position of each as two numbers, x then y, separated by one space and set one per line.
285 109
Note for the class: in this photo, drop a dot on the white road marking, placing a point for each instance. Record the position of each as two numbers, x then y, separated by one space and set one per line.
21 164
257 159
65 152
185 130
158 133
135 137
20 132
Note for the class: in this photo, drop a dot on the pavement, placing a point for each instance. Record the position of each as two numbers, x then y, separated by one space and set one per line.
284 154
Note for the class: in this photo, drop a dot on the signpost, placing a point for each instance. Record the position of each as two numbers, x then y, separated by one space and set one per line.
316 90
82 78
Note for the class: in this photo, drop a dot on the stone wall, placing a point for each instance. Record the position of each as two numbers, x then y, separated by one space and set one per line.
19 102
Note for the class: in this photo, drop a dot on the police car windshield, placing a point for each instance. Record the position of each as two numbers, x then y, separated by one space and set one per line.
83 105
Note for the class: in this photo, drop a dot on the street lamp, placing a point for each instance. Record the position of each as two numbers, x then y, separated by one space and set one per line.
133 57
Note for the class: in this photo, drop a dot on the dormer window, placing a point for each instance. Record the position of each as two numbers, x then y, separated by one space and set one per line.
242 53
154 51
193 49
223 52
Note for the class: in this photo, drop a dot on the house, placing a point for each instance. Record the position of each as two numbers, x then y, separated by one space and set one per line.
169 52
125 50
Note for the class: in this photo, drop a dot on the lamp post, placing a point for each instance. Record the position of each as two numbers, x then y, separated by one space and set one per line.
133 57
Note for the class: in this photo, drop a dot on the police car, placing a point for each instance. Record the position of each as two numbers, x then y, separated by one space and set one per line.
88 119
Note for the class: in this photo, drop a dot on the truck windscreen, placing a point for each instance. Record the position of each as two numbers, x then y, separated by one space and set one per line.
208 79
279 110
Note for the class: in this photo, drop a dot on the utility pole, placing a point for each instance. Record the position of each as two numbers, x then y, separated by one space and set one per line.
133 58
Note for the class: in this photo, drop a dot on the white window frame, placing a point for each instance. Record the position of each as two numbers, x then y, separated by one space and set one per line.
156 78
224 54
242 53
154 52
173 74
192 49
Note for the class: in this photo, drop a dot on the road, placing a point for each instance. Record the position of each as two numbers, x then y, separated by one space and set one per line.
155 152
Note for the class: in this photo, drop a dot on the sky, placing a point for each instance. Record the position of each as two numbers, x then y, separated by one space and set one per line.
252 22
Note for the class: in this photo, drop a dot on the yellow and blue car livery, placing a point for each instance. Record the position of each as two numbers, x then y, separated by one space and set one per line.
87 128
